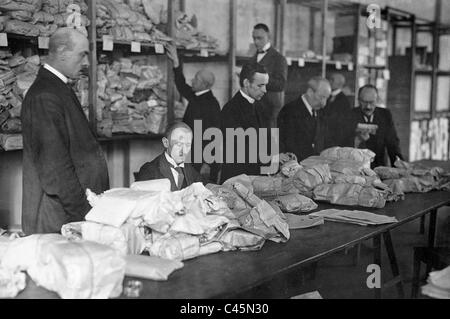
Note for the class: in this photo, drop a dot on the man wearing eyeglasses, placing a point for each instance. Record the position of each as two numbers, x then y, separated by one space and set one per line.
301 122
170 164
375 128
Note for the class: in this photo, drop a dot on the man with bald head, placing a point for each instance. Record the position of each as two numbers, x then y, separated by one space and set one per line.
336 112
171 163
301 122
202 105
61 157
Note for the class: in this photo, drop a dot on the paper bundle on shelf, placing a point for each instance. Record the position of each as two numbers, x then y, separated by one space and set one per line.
132 97
39 17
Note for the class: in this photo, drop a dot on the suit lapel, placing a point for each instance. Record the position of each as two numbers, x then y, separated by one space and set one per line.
164 168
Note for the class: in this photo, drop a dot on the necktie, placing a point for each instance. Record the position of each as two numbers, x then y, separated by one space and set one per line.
180 176
314 114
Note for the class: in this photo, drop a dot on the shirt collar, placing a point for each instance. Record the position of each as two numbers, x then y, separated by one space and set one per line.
265 48
248 98
308 106
201 92
368 119
61 76
172 162
336 92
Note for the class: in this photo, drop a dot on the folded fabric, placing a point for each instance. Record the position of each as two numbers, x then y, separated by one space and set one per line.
289 168
155 185
241 239
150 267
354 217
128 239
11 282
295 203
301 221
350 194
440 278
73 269
385 172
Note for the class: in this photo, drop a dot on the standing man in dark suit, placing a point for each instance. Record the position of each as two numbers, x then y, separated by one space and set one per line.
336 112
276 67
61 157
241 113
202 106
375 128
301 123
170 164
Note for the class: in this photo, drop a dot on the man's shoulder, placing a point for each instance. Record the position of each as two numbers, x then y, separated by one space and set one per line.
275 53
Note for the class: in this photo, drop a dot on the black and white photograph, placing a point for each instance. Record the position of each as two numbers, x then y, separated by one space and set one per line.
230 156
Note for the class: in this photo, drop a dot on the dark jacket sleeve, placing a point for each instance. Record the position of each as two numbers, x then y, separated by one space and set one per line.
182 87
50 145
283 128
146 172
392 141
278 77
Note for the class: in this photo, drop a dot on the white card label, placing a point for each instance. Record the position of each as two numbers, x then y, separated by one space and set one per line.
386 74
108 43
3 40
43 42
204 53
301 62
338 65
289 61
350 66
135 46
159 48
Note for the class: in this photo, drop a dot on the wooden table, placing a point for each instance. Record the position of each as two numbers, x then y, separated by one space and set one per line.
231 274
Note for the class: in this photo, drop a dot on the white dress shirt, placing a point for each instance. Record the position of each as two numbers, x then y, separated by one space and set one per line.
248 98
56 72
308 106
174 172
201 92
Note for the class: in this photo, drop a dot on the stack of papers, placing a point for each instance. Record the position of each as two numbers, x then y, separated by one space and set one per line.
357 217
438 284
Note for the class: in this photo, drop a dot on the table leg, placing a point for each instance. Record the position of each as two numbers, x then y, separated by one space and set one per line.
394 265
431 234
422 224
377 260
416 275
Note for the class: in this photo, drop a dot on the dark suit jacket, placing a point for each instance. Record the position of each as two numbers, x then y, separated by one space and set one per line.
160 168
61 157
337 115
239 113
385 139
299 132
272 101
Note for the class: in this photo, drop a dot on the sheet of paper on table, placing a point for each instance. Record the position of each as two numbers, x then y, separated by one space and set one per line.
354 217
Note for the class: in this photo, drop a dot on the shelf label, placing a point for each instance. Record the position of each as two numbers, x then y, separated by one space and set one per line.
43 42
3 40
338 65
135 46
108 43
386 74
204 53
301 62
380 83
159 48
289 61
350 66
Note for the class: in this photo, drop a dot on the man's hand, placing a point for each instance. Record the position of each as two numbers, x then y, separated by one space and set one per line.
171 51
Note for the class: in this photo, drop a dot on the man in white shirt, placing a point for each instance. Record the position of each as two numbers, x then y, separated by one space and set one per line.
171 163
276 67
301 123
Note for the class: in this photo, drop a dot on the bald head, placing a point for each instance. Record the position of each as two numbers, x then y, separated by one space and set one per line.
318 92
337 81
68 52
203 80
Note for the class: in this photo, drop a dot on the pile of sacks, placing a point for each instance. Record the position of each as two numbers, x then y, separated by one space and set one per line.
39 17
410 178
131 97
339 176
129 21
180 225
188 36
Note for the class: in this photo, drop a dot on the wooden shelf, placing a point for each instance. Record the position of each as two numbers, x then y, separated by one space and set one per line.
125 137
